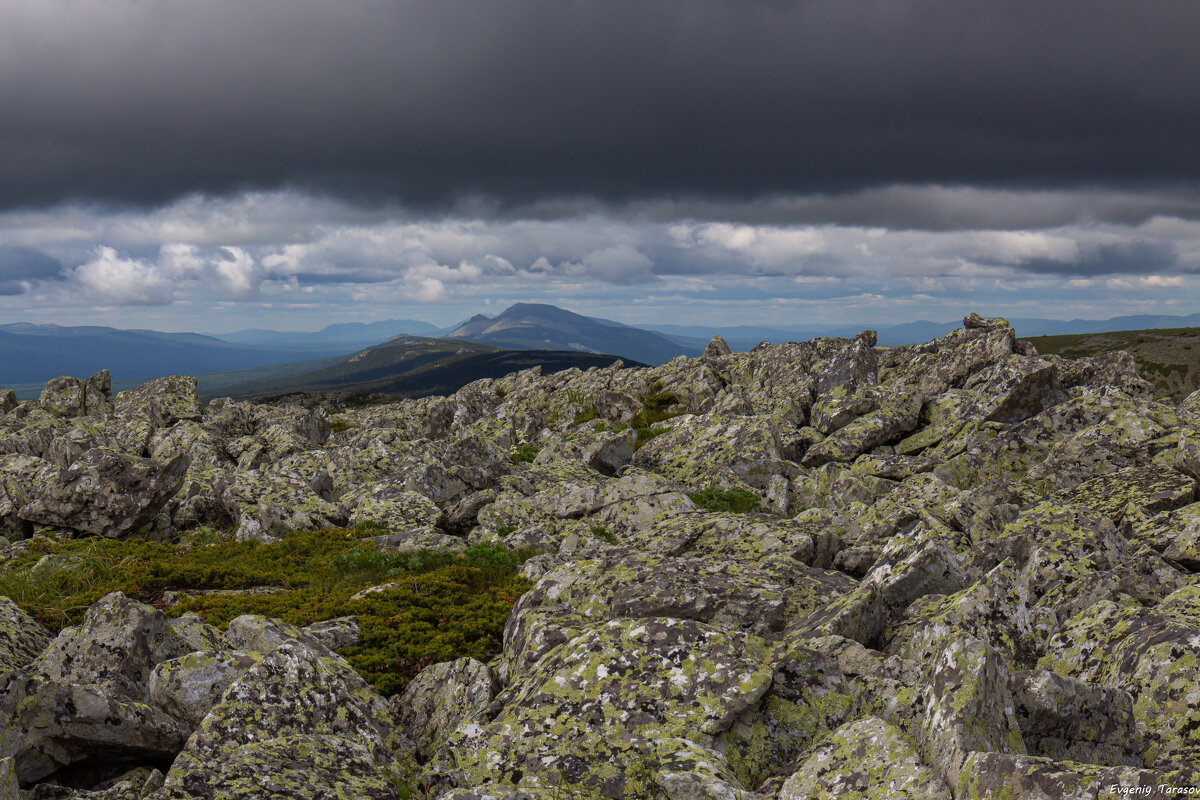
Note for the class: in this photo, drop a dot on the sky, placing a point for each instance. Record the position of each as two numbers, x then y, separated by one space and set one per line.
217 165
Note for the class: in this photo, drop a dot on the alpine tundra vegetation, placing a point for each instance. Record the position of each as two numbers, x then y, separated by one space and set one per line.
827 569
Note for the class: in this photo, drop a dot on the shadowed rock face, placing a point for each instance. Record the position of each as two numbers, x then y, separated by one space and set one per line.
815 570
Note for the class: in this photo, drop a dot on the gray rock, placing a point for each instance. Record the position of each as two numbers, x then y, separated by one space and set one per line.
717 347
1069 720
116 647
867 759
662 678
164 401
106 493
188 687
442 698
22 638
969 707
335 634
304 721
265 635
195 632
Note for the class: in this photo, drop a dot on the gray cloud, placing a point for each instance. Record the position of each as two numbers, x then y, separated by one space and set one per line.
23 267
1136 256
428 101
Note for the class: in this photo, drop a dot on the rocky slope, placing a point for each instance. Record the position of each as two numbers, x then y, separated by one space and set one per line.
972 573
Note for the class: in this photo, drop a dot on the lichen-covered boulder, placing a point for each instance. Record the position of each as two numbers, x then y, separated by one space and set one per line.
1150 489
297 724
441 698
706 450
412 540
592 712
336 633
625 507
906 571
393 507
9 786
8 401
1000 776
87 694
106 493
116 647
865 760
605 451
745 538
265 505
969 707
164 400
1044 567
836 408
1175 534
621 584
1069 720
195 633
1151 653
809 697
1117 370
63 397
896 416
1016 388
22 638
20 477
51 726
261 634
188 686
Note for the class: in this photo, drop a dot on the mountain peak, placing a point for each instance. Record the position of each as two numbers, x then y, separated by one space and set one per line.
540 326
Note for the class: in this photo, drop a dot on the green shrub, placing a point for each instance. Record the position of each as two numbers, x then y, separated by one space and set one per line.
601 532
653 411
739 501
524 454
586 416
646 433
446 604
660 400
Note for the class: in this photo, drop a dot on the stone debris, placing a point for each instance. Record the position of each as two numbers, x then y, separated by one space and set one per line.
824 569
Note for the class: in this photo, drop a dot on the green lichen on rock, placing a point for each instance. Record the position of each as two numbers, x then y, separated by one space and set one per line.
817 569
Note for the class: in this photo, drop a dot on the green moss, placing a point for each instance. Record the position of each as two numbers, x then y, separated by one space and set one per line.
586 416
738 501
445 605
524 454
645 434
339 425
601 532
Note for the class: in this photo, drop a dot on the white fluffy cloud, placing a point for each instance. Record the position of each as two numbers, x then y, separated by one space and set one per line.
266 249
109 279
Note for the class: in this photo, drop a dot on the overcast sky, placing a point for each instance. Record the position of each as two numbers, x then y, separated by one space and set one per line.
213 165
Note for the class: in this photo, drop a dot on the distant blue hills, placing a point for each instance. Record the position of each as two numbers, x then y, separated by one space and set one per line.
32 354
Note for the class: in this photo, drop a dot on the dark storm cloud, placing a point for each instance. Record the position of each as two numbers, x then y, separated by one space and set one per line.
21 267
430 101
1123 258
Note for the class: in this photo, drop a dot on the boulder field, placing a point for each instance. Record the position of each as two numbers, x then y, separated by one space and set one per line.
814 570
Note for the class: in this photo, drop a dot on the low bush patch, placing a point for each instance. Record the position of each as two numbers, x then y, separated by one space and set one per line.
445 604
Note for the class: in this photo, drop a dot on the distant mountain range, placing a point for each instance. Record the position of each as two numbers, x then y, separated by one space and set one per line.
744 337
534 326
349 334
407 366
32 354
